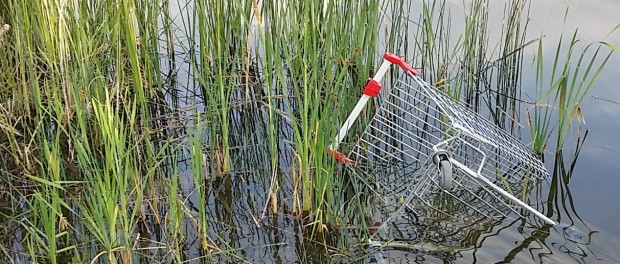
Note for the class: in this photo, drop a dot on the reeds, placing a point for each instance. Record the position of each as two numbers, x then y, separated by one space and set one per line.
316 56
561 89
85 83
463 60
81 79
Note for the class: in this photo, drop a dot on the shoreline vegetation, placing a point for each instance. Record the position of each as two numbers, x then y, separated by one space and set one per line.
128 128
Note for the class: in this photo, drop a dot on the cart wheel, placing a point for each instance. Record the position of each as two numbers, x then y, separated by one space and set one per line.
442 160
445 174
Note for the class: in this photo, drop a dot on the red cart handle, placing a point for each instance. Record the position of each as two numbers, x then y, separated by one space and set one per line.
400 62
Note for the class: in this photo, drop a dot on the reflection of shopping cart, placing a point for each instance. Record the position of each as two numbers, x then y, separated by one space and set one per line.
424 149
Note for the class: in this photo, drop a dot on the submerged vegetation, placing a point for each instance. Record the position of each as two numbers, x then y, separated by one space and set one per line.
127 128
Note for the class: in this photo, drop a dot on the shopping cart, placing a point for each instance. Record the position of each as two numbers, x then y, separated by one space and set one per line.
425 153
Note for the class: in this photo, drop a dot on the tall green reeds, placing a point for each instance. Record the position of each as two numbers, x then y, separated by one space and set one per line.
81 76
562 88
222 33
200 177
466 62
317 55
44 160
474 63
86 82
509 66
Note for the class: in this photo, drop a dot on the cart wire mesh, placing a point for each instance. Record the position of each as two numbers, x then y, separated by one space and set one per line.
490 172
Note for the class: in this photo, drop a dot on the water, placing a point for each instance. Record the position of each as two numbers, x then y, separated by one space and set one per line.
594 199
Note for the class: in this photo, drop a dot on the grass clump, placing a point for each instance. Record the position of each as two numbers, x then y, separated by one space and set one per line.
562 88
80 77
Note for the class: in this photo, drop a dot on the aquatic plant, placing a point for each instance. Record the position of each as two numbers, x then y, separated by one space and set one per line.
573 73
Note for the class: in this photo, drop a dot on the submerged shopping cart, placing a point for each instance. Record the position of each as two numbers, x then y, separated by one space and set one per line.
424 153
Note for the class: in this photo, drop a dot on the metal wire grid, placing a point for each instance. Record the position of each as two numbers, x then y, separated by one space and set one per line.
415 116
474 124
415 201
393 154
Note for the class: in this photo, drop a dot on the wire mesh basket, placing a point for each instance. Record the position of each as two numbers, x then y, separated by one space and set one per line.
426 153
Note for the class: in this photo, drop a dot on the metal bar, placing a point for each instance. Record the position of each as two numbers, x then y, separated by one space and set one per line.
358 108
502 192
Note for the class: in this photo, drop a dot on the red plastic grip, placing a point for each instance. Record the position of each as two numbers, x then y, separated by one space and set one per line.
400 62
372 88
341 157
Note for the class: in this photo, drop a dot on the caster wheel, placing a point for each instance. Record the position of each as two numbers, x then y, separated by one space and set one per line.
442 160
